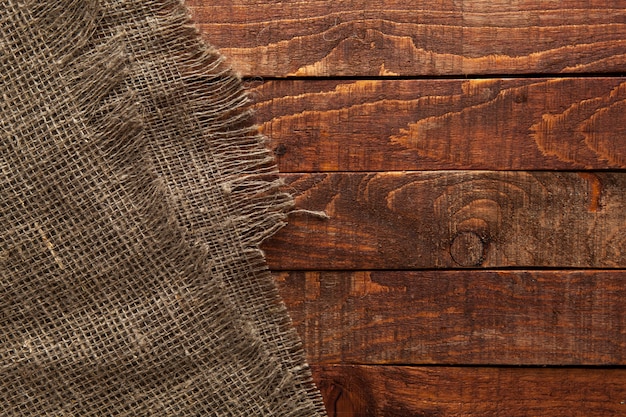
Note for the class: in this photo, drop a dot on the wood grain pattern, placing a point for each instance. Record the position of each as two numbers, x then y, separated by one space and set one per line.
364 391
408 38
370 283
459 317
495 124
452 219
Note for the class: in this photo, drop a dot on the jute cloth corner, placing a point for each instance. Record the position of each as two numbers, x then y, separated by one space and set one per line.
134 192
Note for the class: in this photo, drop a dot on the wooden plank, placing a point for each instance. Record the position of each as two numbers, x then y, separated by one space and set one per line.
495 124
444 219
389 391
459 317
408 38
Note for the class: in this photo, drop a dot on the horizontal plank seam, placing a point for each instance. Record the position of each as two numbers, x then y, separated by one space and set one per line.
436 77
485 270
473 366
490 269
474 170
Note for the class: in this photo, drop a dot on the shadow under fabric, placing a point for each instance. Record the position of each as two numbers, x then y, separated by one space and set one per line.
134 192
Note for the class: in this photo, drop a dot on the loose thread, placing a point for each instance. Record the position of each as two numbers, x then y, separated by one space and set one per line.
318 214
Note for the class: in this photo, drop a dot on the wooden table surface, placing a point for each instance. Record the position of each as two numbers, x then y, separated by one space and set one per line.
470 157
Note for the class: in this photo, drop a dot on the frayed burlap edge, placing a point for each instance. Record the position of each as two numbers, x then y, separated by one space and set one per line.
245 179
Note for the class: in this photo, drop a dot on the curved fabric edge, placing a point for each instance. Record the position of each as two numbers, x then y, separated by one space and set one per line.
215 154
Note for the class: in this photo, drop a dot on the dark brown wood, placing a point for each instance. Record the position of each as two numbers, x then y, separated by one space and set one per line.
364 391
423 220
495 124
375 308
407 37
459 317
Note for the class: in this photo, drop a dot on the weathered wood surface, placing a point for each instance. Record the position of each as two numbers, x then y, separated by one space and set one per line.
459 317
372 391
451 219
408 38
369 284
494 124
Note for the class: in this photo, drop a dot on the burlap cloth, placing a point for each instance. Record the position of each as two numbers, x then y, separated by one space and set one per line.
134 192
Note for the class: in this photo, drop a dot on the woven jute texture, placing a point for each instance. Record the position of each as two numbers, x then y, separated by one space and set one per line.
134 192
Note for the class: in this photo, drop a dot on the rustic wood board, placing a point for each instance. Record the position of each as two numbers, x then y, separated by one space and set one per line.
408 38
452 219
372 391
459 170
494 124
460 317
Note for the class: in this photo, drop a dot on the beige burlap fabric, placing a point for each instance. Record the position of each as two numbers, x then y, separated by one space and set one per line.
134 192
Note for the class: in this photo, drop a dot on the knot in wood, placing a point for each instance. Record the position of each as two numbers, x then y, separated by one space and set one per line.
280 150
467 249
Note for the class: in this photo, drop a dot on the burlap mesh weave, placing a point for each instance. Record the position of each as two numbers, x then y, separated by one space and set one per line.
134 192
